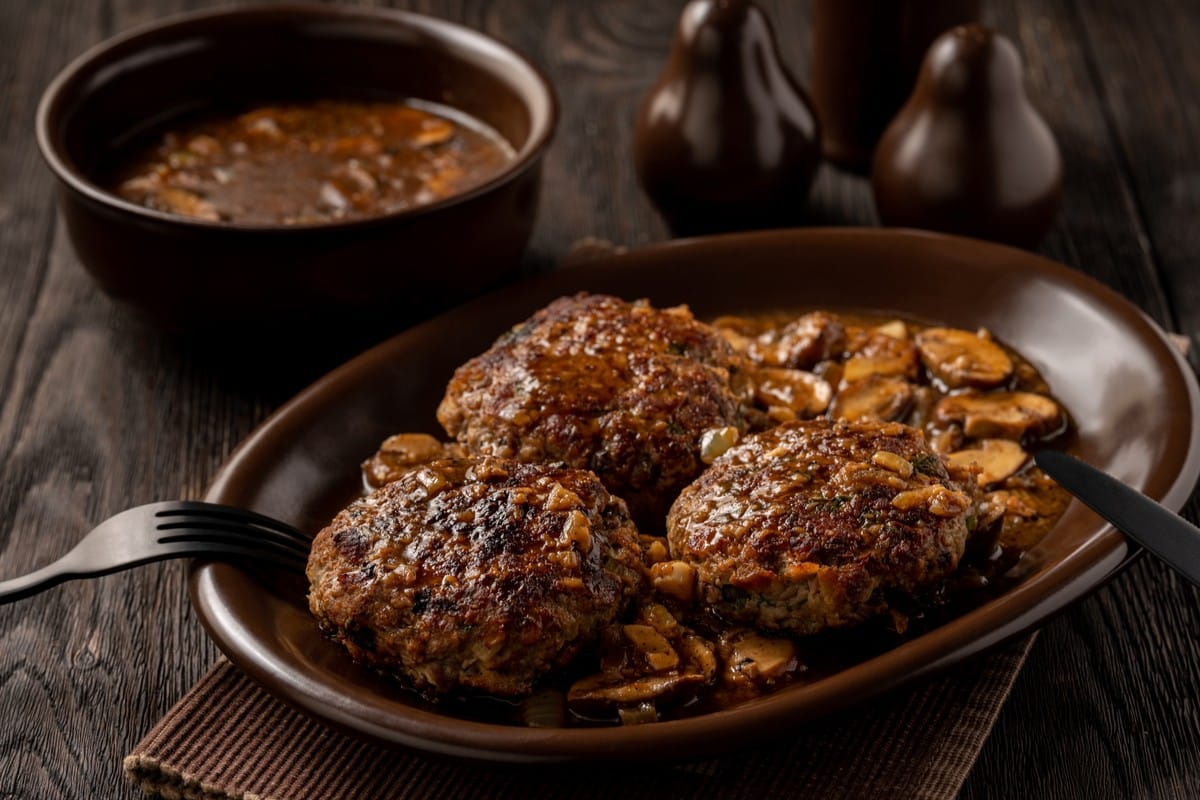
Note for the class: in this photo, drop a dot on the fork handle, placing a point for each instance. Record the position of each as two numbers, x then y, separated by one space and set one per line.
36 581
67 569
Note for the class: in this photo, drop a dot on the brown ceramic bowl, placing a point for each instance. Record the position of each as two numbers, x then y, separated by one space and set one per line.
1133 398
184 273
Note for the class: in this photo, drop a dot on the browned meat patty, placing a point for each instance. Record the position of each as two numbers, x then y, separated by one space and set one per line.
810 525
475 573
622 389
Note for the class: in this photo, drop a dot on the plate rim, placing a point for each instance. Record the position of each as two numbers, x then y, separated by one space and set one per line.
1108 552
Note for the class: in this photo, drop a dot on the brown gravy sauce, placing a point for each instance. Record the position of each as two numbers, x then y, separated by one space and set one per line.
1027 503
320 162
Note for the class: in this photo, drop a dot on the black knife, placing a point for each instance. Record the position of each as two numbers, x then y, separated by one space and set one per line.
1164 533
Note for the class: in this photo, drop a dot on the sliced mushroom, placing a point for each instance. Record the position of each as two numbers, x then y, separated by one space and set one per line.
601 690
881 354
699 655
653 647
996 458
801 343
749 658
1028 379
662 620
924 398
802 393
653 659
878 397
1001 415
399 453
960 358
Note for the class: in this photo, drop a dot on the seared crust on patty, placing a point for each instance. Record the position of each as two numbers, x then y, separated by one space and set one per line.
475 573
810 525
622 389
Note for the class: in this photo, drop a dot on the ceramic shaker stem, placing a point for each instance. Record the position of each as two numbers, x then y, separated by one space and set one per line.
726 139
968 153
866 56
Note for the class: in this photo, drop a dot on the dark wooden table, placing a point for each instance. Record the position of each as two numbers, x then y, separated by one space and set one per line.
97 412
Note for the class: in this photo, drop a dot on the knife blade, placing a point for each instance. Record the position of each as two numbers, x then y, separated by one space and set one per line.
1164 533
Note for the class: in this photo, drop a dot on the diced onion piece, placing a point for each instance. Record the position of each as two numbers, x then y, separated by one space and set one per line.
941 501
654 549
674 578
896 463
715 441
562 499
577 530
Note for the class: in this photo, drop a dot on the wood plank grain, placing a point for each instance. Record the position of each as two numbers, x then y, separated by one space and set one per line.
1106 706
1149 76
97 413
1119 670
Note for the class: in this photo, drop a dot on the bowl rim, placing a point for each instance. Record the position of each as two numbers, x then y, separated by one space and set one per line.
53 105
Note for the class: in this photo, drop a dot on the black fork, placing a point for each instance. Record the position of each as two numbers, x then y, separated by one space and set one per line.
172 529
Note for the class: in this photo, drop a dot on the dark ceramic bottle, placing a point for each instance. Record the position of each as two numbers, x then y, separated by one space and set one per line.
726 139
968 153
866 55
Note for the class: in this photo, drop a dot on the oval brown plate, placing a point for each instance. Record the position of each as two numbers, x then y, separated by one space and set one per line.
1133 397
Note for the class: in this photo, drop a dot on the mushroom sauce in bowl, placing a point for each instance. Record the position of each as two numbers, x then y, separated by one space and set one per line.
308 163
237 171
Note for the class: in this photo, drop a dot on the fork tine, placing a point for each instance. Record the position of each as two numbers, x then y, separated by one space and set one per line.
215 549
237 552
231 535
194 511
229 531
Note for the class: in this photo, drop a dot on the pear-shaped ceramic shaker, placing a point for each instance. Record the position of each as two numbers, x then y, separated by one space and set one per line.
726 139
968 153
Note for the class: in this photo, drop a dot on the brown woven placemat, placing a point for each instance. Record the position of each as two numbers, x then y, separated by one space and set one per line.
228 738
